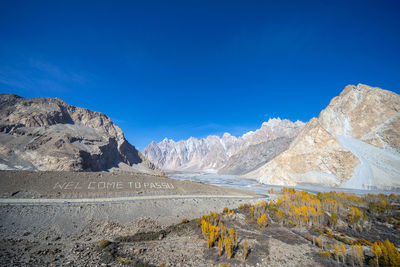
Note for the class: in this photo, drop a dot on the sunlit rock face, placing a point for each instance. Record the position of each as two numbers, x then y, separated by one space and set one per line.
48 134
355 142
226 153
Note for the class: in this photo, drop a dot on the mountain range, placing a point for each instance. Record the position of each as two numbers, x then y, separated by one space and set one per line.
227 154
353 143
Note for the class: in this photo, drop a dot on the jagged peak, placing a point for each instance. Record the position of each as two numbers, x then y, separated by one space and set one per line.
192 139
226 135
166 140
272 122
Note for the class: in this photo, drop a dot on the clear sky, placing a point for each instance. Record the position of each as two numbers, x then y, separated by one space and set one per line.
192 68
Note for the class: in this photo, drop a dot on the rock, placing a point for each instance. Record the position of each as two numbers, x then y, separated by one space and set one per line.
48 134
355 143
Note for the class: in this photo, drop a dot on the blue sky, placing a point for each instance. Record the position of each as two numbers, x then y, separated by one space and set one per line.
192 68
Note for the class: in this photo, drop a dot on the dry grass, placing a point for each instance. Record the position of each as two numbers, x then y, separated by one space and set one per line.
104 243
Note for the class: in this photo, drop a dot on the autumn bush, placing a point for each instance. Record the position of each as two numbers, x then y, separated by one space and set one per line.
391 256
325 254
104 243
376 250
214 229
336 250
245 250
320 243
363 242
333 220
262 221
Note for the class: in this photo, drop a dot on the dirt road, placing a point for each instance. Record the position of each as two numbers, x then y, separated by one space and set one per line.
48 201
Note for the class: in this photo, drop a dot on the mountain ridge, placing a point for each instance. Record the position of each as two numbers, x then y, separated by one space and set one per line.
49 134
354 142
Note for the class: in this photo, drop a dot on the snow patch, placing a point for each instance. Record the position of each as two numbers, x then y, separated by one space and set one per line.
5 167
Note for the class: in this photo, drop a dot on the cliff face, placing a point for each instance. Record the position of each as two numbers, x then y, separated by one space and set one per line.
49 134
353 143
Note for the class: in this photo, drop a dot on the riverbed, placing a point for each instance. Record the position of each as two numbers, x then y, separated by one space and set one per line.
232 181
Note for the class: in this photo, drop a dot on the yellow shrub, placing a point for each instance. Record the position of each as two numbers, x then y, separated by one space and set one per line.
358 254
210 232
355 215
226 211
362 242
228 247
280 215
376 251
220 246
245 250
271 191
319 242
333 220
343 252
325 254
391 255
336 249
262 221
251 211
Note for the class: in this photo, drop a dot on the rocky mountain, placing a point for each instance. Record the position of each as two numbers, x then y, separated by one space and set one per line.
213 152
48 134
355 143
253 156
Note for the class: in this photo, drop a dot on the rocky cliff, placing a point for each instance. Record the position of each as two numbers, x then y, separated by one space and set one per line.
227 153
253 156
49 134
353 143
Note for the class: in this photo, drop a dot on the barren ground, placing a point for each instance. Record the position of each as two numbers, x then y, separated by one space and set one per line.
59 219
